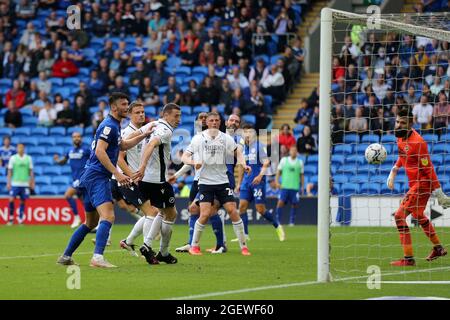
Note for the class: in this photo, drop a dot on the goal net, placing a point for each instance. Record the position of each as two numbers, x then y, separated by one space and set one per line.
371 65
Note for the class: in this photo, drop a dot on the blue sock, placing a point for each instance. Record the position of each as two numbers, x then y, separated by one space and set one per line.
76 240
102 236
21 210
292 215
244 217
279 212
11 211
217 226
192 220
269 217
73 205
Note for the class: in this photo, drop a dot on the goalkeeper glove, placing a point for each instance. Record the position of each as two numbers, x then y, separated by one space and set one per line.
443 199
391 178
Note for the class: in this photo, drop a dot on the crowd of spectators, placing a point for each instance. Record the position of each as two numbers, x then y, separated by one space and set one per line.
223 36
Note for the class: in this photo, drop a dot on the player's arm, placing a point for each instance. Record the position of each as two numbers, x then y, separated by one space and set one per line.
61 161
277 179
32 184
302 185
146 154
187 159
240 177
123 164
241 160
393 173
134 138
184 169
265 167
8 184
102 156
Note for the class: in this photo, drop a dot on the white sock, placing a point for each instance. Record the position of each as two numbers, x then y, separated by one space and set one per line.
222 218
166 235
98 256
154 230
109 236
238 227
198 229
136 214
147 225
136 231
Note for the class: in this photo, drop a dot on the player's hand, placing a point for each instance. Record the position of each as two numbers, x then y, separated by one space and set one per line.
123 180
277 185
172 179
150 129
237 189
8 186
198 165
257 180
390 180
55 157
32 184
247 169
138 175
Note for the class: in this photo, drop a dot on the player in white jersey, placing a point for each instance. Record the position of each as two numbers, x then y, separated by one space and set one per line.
129 163
210 152
153 176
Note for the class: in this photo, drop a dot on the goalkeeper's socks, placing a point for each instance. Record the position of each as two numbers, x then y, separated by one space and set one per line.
429 231
102 236
405 240
73 205
217 226
76 239
269 217
192 220
244 217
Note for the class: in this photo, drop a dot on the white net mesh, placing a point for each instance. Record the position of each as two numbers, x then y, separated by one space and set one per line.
405 62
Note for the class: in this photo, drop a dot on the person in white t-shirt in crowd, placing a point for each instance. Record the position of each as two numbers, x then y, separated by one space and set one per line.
273 83
423 113
47 115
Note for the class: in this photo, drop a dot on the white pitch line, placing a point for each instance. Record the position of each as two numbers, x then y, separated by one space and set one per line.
297 284
413 282
51 255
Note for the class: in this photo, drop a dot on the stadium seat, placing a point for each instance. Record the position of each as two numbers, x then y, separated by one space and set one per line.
150 111
199 109
441 148
88 131
134 91
437 159
173 62
55 150
343 149
36 151
355 159
446 187
38 170
351 138
56 81
274 59
26 111
43 180
310 169
370 188
57 131
430 138
29 121
54 170
370 138
359 178
187 127
44 160
220 108
298 129
6 131
263 57
376 178
360 149
3 179
61 180
200 70
249 118
340 178
71 130
61 189
66 170
388 138
64 141
28 141
183 71
48 190
49 141
186 110
22 131
41 131
385 190
346 169
350 188
312 159
188 120
5 82
366 169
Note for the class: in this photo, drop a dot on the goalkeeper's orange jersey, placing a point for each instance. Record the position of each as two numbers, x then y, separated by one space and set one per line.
414 157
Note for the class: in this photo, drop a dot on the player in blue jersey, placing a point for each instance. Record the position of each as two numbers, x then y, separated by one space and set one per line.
6 151
95 180
77 157
252 185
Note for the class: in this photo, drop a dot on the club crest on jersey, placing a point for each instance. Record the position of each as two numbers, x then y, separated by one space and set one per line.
424 161
172 200
406 148
106 130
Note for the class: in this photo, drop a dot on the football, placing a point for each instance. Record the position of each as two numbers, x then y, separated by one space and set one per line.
375 153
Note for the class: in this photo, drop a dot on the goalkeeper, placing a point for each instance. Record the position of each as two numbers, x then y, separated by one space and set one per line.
423 182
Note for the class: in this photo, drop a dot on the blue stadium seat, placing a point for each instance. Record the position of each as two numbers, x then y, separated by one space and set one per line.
275 58
263 57
3 171
187 127
437 159
36 151
298 129
370 138
249 118
43 160
65 92
310 169
385 190
134 90
370 188
388 138
343 149
430 138
356 160
376 178
61 180
54 170
28 141
61 189
49 141
72 81
56 81
162 90
173 62
183 71
186 110
199 109
220 108
361 148
64 141
5 82
43 180
66 170
57 131
26 111
41 131
312 159
446 187
200 70
22 131
350 188
359 178
150 111
55 150
71 130
441 148
351 138
6 131
88 131
3 179
346 169
391 158
38 170
188 120
366 169
268 101
48 190
340 178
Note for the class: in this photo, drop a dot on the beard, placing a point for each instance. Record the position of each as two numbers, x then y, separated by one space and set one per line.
401 133
204 127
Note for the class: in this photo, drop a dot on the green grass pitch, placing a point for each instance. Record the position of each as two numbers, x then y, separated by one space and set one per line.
276 270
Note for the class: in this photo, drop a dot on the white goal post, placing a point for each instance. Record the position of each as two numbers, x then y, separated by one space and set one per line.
414 24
